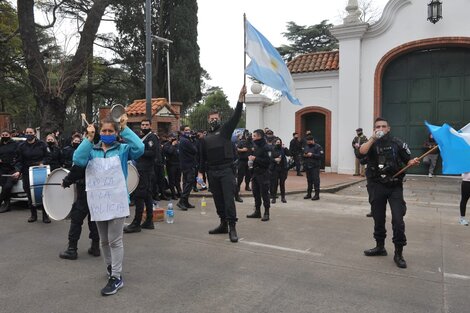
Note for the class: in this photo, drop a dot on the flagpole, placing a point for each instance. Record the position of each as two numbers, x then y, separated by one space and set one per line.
420 158
244 51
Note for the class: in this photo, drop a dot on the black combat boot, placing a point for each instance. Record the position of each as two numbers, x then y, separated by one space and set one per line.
308 195
34 215
232 233
265 215
283 199
273 200
45 217
398 257
133 227
316 196
221 229
148 224
5 207
238 198
94 250
379 250
70 253
189 205
255 214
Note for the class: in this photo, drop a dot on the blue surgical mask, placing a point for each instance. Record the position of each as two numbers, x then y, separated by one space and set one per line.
108 139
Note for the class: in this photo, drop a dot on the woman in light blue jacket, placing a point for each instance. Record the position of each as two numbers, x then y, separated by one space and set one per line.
107 195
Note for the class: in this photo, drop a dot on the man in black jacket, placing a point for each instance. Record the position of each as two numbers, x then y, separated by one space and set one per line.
259 162
217 157
244 150
171 152
143 192
295 148
313 154
7 167
188 153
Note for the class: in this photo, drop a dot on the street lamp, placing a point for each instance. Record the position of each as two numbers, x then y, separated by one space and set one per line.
434 11
167 43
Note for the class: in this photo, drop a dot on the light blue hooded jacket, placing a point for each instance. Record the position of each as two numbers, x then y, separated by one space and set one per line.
131 150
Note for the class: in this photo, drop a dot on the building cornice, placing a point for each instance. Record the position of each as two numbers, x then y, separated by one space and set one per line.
349 31
387 18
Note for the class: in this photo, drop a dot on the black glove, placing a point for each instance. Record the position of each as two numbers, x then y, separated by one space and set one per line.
66 183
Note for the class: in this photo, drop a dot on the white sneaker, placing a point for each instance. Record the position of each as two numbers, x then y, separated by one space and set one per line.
430 175
463 221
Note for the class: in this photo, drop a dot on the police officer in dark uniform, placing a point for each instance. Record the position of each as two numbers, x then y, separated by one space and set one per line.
312 156
159 184
31 152
386 155
217 157
188 164
68 150
171 151
7 167
261 159
244 150
55 154
143 193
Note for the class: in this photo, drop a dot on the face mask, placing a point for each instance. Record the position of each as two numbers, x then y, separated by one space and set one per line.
359 134
75 145
5 139
108 139
258 141
50 143
214 124
278 145
29 137
187 134
145 131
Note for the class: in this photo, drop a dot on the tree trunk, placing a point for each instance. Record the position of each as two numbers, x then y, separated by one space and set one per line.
89 89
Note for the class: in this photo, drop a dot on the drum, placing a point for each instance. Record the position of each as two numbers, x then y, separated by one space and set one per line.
132 177
37 179
57 200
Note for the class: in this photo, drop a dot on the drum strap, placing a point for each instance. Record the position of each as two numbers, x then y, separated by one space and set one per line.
145 137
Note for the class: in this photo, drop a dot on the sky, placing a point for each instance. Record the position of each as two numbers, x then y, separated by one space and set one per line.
220 31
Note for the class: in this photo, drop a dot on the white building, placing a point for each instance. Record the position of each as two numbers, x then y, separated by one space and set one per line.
403 68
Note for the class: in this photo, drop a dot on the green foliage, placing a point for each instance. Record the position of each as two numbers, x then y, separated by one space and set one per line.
307 39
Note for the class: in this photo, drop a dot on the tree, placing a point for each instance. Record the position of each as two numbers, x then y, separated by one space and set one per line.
307 39
175 20
53 90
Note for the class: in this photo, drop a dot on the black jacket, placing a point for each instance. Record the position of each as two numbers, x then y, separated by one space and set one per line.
295 146
217 146
171 154
31 154
279 152
147 161
244 143
8 156
188 153
67 156
313 161
55 157
262 153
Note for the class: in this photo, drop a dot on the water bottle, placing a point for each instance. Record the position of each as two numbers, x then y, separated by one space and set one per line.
170 214
203 205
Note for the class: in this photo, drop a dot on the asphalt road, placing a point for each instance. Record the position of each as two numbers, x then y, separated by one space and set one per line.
307 258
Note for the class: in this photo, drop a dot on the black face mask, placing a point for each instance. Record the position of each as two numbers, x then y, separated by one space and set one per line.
50 143
359 134
259 141
75 145
278 145
215 124
5 139
146 131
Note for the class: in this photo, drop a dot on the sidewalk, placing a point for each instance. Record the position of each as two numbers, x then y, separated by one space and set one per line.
329 182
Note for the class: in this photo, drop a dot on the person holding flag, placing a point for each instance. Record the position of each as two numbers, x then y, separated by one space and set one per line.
386 155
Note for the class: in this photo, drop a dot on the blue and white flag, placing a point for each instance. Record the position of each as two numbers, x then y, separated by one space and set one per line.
454 146
267 64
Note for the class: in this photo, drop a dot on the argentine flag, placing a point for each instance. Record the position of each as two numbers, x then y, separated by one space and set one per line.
267 64
454 146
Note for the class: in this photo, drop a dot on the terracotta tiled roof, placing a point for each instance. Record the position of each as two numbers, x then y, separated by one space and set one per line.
138 106
315 62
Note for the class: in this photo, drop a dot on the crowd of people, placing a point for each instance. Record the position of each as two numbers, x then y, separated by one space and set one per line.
172 166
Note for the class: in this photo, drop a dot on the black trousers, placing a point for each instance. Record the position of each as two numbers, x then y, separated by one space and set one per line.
79 212
297 162
174 179
243 173
380 194
7 184
465 195
159 185
260 187
27 190
222 188
188 183
143 195
278 178
313 179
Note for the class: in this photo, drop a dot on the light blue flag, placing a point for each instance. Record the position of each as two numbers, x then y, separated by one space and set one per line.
267 64
454 146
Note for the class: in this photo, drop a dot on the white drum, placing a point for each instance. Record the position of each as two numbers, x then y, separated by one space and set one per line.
57 200
37 179
132 177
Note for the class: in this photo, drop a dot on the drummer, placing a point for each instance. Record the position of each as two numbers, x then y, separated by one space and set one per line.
107 195
80 208
7 167
31 152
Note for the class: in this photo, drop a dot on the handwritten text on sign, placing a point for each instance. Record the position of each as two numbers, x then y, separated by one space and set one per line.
106 189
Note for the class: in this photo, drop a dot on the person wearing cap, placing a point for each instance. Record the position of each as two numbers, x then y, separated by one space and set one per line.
360 138
312 155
